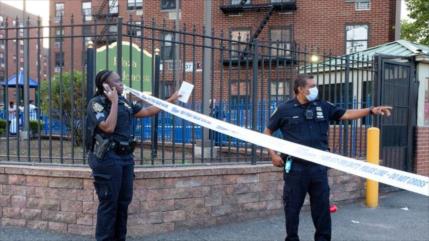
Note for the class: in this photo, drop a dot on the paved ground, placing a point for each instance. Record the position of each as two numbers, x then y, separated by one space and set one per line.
400 216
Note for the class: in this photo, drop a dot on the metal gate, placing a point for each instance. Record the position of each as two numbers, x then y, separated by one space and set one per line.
396 86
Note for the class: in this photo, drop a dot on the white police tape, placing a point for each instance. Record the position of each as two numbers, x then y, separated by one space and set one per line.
404 180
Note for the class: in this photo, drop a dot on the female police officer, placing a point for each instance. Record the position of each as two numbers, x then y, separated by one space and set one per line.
110 147
305 120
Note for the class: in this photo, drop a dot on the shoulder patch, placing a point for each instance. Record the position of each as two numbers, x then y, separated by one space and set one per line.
97 107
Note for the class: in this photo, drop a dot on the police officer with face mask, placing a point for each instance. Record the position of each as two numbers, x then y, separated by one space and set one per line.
305 120
110 148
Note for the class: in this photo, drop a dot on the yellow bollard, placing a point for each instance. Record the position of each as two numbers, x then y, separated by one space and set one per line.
373 154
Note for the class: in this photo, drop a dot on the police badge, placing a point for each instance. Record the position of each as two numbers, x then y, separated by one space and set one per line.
97 107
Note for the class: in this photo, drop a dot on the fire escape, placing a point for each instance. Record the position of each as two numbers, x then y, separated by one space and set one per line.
269 8
107 12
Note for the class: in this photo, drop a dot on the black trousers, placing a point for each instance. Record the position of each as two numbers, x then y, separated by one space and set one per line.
302 179
113 182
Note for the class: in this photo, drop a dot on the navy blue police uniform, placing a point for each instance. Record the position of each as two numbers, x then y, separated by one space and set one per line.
306 124
114 172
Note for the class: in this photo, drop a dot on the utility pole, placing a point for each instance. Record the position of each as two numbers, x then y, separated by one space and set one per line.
207 72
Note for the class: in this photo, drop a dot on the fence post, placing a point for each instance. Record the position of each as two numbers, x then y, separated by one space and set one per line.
155 92
254 95
119 48
346 101
90 68
26 29
373 153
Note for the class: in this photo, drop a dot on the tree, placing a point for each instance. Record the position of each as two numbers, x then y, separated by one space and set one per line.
417 30
63 94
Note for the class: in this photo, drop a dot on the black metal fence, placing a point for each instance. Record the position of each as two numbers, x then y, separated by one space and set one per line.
237 80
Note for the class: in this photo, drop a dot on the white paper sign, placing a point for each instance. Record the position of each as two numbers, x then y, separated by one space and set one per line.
185 91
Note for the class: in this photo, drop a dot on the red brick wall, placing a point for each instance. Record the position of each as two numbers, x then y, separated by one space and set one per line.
165 199
422 151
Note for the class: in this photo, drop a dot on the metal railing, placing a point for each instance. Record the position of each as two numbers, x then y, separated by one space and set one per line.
243 91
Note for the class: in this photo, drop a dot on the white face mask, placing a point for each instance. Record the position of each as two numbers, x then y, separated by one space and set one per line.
313 94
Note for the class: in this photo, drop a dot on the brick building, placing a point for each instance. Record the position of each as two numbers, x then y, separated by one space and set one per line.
340 26
12 49
335 26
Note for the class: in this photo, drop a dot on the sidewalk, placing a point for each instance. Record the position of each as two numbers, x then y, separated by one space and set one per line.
400 216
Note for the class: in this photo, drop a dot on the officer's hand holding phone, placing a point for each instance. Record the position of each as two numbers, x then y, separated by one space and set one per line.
110 93
277 160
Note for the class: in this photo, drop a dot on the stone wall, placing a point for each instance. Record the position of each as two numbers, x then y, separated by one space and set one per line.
165 199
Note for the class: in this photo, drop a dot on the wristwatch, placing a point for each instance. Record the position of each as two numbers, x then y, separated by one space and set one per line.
370 110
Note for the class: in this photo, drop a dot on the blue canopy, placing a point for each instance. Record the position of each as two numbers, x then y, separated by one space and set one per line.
11 82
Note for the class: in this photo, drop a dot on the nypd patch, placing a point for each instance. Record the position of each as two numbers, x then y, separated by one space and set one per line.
97 107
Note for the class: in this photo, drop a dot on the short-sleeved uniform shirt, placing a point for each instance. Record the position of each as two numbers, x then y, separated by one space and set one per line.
99 109
305 124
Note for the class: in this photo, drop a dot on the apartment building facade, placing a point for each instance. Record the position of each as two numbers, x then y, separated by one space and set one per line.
12 49
333 27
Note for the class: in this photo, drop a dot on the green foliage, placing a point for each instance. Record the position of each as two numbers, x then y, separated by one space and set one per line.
62 98
35 126
2 126
417 30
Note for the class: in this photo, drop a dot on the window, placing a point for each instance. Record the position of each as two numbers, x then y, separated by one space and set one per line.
363 5
239 36
86 30
167 48
234 2
168 4
113 29
280 41
113 7
59 59
240 95
356 38
21 29
280 90
86 11
2 60
59 11
59 35
135 4
134 28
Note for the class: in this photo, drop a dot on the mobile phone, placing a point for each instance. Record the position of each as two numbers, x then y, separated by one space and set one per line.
106 87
